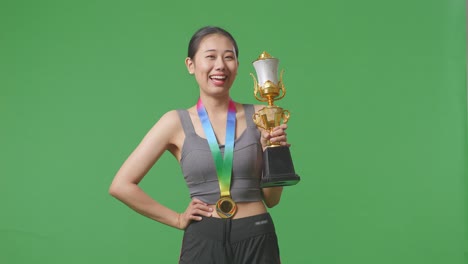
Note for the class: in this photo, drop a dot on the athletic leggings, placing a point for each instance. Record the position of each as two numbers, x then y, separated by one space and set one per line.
249 240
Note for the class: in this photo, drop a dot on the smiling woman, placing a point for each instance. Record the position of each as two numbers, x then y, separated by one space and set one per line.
214 64
219 149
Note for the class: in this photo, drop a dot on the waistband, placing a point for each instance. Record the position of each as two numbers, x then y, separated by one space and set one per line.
235 229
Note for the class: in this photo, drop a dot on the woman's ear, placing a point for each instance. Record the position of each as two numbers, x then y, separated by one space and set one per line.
189 64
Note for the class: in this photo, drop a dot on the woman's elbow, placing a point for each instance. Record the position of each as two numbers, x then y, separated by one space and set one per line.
113 190
116 190
272 196
272 203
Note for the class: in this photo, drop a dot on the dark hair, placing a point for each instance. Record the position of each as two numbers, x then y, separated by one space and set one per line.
205 31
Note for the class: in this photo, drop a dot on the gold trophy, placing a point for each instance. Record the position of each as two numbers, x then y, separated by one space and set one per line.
278 168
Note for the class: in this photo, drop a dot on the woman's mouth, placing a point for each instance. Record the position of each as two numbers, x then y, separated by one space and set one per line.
218 79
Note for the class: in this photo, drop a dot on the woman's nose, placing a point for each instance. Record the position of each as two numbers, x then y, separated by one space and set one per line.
219 63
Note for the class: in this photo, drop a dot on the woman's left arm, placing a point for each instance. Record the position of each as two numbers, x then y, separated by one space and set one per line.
272 195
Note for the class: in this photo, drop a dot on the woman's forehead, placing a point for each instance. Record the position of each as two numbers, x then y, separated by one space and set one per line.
216 42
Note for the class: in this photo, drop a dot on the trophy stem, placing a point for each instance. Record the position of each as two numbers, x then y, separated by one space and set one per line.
271 100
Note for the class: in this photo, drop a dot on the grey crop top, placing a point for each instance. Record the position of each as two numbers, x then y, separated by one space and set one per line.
199 169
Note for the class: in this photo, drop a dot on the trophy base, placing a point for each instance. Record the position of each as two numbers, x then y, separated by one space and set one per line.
278 168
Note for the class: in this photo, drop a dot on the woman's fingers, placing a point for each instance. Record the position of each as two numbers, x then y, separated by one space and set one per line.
280 139
204 211
201 206
278 134
281 127
197 209
266 134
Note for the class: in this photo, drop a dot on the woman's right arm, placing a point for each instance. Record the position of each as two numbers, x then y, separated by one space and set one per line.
166 134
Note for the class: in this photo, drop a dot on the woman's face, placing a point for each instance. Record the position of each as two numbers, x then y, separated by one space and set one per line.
214 65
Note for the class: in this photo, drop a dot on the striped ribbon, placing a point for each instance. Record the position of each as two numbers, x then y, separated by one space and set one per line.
223 165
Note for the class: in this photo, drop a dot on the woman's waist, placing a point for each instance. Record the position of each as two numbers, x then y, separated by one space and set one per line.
244 209
212 194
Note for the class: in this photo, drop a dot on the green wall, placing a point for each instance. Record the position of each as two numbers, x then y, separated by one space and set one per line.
377 92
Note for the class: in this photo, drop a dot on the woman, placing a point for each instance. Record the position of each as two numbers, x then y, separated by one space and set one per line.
214 231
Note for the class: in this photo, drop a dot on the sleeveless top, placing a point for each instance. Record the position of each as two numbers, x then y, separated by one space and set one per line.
199 168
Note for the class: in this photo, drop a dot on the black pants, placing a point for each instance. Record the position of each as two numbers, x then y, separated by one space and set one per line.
249 240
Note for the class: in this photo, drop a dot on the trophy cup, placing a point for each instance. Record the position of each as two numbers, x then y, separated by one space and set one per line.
278 168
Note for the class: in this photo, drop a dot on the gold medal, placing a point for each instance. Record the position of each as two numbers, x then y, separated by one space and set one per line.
226 207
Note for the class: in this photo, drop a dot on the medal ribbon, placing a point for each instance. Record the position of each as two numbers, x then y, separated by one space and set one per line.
223 166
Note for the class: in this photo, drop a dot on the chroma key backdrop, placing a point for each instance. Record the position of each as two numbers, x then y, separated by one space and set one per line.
376 91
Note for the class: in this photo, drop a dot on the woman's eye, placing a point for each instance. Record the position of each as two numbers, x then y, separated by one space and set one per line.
210 56
229 57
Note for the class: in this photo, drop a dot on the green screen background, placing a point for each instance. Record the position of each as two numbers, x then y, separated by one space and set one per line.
376 91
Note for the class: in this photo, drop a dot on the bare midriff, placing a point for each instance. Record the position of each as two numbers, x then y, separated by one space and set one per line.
244 209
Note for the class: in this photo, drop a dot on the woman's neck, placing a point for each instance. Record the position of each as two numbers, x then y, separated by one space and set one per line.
215 105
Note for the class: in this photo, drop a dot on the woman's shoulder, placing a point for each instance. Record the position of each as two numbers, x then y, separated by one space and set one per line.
170 115
173 118
168 129
169 120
